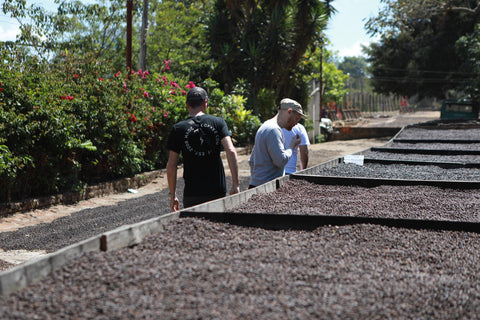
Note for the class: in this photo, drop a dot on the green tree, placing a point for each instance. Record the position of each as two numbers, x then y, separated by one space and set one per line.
356 68
468 47
177 33
263 43
416 54
79 27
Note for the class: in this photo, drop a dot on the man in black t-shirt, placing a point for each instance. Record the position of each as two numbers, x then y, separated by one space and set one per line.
200 138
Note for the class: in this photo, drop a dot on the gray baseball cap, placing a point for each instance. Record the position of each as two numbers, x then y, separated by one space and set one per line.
288 103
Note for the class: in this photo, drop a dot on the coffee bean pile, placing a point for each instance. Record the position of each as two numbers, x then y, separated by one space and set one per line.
422 157
409 202
436 146
399 171
87 223
446 134
205 270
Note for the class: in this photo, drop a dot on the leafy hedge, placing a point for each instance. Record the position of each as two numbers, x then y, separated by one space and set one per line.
72 122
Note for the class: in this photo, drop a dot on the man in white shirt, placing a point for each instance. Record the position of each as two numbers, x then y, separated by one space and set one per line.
291 166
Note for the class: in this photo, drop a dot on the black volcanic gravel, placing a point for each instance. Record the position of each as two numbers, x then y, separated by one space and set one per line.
205 270
409 202
447 134
399 171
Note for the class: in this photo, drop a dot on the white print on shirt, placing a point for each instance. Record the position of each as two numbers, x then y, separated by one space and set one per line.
201 139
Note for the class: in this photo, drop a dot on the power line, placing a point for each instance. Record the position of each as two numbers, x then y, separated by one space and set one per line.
426 71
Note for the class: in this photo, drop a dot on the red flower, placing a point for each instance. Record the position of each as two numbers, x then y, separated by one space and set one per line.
67 97
76 75
190 85
167 64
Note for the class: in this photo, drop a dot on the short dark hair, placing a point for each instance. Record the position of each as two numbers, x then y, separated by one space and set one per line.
196 96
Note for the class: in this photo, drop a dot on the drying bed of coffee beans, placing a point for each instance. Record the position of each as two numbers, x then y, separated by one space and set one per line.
204 270
422 157
407 202
436 146
447 134
399 171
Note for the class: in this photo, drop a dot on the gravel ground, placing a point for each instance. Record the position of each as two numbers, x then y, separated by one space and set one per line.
399 171
408 202
205 270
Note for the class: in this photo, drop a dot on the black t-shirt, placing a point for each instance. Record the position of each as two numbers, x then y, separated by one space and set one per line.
198 139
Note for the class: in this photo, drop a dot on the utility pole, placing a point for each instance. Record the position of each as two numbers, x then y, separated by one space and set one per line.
129 34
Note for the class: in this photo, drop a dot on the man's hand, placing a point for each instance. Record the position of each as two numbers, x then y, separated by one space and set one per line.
235 189
295 141
174 203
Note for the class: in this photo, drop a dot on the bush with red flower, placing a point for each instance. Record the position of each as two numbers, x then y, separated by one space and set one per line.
71 122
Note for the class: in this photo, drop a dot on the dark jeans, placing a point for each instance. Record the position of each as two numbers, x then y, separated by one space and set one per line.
190 201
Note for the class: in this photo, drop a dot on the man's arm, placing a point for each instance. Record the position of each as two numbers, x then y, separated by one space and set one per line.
172 179
303 150
232 159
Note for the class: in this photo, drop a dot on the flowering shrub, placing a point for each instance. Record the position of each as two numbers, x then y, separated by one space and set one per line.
71 122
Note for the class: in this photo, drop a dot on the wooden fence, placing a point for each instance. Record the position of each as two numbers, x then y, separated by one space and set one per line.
357 105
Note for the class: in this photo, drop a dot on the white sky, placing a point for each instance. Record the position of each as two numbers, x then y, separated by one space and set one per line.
346 30
9 28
